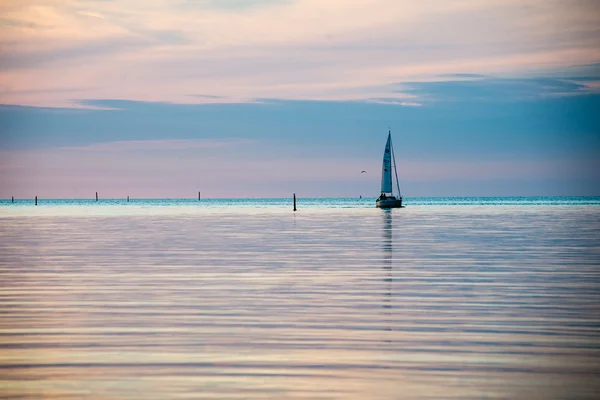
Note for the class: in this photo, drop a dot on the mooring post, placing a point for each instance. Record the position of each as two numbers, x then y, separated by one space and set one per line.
96 196
12 199
294 201
36 200
128 199
198 196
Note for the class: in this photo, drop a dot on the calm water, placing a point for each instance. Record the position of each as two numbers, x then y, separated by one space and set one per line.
489 298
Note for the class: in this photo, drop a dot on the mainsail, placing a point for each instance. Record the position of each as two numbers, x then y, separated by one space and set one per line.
386 171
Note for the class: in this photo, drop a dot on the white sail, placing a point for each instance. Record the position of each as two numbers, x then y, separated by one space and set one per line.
386 170
387 198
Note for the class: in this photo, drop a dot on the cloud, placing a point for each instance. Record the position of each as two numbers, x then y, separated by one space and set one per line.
5 92
231 5
76 51
450 124
462 76
63 173
9 22
493 89
168 149
90 14
158 145
160 51
393 101
206 96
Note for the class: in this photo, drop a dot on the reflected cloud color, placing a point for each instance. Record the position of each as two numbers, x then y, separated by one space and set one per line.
429 301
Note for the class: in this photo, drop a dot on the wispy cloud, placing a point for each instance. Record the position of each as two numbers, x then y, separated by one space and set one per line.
305 85
162 51
206 96
486 88
276 147
231 5
158 145
74 51
393 101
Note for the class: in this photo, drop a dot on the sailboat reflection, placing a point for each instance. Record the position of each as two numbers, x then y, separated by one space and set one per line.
387 259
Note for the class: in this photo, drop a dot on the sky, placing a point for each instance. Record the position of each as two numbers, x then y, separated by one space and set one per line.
264 98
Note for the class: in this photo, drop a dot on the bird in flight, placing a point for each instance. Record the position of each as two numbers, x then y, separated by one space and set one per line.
363 172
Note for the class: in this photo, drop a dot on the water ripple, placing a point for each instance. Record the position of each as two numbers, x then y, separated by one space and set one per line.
350 303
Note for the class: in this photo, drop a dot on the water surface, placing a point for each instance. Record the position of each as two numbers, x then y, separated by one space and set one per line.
447 298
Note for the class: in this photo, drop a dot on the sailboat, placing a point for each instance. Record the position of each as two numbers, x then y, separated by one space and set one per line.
387 198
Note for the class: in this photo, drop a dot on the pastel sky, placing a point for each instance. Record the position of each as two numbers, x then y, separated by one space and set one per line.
263 98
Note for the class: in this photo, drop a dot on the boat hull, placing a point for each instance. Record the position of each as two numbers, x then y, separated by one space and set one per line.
389 203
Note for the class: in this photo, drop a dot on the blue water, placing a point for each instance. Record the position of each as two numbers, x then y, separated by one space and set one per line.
315 202
448 298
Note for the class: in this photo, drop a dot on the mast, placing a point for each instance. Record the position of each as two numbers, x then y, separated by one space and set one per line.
395 170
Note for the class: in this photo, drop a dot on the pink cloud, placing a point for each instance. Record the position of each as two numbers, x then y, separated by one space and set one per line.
162 145
164 53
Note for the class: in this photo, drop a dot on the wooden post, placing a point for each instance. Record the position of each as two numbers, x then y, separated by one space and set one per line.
96 196
294 201
198 196
128 199
36 200
12 199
